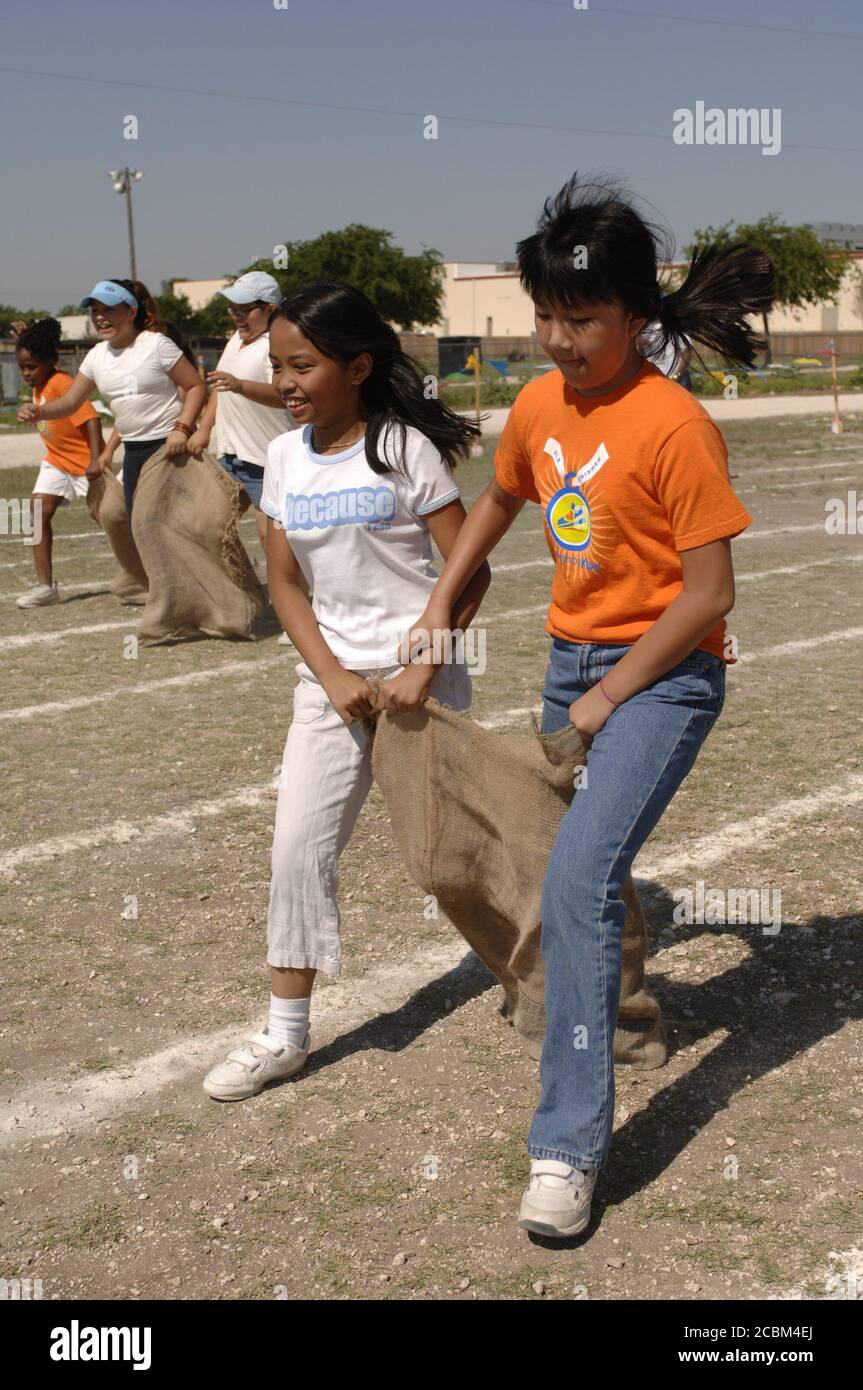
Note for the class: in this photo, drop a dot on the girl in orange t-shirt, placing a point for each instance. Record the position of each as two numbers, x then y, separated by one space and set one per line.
632 477
72 449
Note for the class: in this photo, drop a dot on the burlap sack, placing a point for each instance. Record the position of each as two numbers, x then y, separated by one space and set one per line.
475 814
184 523
107 506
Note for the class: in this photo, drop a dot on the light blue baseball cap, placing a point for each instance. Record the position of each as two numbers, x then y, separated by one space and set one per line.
254 285
110 293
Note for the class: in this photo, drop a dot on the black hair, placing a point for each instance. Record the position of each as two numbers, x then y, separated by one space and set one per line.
591 246
342 323
171 331
42 340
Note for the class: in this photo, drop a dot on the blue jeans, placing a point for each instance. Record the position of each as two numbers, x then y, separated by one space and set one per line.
251 475
634 766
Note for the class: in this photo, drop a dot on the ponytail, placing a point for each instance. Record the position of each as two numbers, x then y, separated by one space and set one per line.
593 247
722 286
147 318
342 323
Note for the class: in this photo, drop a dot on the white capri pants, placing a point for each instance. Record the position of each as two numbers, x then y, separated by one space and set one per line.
325 778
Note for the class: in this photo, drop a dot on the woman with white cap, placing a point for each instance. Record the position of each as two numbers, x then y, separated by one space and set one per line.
245 407
140 372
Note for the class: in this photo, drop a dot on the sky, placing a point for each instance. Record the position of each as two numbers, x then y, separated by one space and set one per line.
260 125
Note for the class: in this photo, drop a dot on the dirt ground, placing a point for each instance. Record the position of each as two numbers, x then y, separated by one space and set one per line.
393 1167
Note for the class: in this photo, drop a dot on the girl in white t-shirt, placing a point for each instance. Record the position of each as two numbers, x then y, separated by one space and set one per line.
353 501
139 372
244 408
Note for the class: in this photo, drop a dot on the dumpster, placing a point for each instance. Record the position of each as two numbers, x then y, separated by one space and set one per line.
453 353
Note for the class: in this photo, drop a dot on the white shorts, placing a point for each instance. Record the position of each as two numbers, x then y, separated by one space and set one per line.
325 778
54 482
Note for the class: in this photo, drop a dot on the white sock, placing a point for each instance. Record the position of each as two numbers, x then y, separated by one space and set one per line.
289 1020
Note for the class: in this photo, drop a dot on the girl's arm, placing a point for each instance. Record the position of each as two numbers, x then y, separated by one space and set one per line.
106 457
349 693
410 687
263 392
707 595
92 432
200 440
188 379
67 404
486 524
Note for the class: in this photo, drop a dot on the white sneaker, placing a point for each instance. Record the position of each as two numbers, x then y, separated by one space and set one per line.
285 641
40 597
251 1067
557 1202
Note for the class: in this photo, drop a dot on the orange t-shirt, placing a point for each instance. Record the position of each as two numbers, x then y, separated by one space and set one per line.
65 442
626 482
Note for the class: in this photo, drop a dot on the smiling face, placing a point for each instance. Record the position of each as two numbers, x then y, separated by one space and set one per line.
593 345
317 390
250 320
114 325
34 372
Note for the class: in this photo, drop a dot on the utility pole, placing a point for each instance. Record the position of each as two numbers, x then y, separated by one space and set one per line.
123 180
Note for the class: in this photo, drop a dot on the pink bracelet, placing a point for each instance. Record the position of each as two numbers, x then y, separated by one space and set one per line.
616 703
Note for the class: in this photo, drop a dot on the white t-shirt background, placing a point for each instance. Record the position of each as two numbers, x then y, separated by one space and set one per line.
135 383
243 427
667 359
360 537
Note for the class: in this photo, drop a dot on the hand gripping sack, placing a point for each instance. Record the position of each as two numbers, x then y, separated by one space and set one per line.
107 506
184 522
476 814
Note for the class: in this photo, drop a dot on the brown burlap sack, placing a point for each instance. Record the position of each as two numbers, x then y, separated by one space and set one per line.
107 506
475 814
184 522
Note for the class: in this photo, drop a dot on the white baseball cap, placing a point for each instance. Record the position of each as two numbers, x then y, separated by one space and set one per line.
251 287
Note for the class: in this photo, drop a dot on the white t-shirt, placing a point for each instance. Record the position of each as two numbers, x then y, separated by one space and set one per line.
360 537
134 381
667 359
244 427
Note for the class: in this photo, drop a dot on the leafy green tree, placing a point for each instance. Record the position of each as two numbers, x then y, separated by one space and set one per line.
807 271
406 290
10 315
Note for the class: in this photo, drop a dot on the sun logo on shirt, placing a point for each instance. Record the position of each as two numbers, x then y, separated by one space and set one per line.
577 521
568 516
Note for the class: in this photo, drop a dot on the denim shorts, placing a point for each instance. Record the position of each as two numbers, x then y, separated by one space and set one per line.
249 474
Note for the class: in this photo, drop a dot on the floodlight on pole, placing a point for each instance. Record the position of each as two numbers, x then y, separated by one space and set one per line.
122 180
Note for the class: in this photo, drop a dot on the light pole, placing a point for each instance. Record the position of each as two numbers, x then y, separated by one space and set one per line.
123 180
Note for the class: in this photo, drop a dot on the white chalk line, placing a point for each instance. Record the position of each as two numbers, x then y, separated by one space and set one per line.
803 644
31 639
799 468
251 668
48 1107
740 578
182 821
44 1108
745 835
813 482
41 1107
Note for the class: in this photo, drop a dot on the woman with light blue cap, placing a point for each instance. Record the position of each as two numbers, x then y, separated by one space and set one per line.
244 407
139 371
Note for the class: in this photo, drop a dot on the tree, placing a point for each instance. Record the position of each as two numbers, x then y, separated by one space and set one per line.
10 315
406 290
807 271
